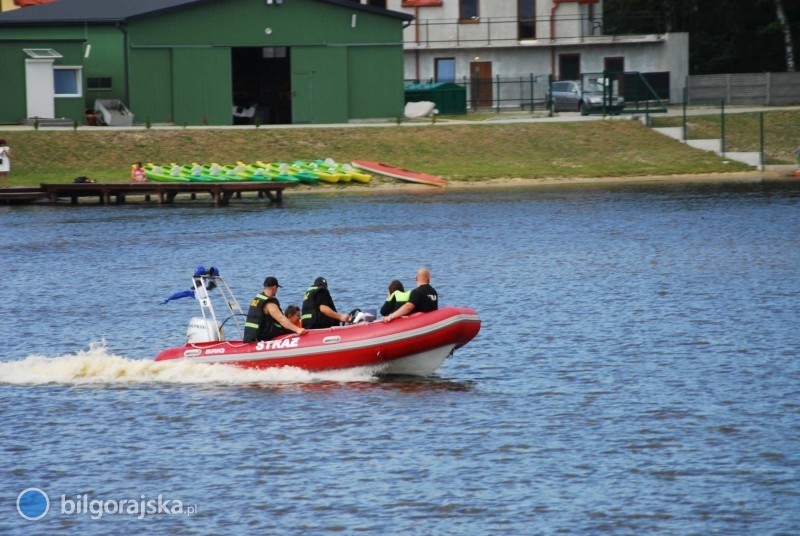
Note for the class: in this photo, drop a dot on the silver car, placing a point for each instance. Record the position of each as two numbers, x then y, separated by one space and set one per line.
567 96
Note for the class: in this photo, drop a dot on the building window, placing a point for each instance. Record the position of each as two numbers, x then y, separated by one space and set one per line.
98 82
527 19
377 3
468 10
445 69
67 82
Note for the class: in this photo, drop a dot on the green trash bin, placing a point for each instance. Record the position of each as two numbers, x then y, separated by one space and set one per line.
450 98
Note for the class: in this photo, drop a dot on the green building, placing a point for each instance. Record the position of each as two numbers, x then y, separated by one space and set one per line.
196 62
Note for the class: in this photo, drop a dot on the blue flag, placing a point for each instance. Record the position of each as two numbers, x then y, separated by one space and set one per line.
179 295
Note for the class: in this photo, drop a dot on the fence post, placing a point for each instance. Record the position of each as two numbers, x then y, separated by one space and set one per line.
761 141
497 107
728 87
769 88
685 97
468 87
532 95
722 128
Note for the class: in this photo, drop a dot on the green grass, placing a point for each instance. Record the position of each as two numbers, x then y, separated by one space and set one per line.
471 152
742 132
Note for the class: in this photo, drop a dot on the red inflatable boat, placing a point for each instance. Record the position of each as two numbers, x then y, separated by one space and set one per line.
413 345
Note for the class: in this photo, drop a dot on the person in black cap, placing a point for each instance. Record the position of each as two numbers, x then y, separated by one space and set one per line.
318 310
422 299
265 320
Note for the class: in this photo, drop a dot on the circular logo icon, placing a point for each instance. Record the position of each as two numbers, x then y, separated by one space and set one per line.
33 504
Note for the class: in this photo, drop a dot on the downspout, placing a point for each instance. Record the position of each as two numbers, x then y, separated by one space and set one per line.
553 39
121 27
416 39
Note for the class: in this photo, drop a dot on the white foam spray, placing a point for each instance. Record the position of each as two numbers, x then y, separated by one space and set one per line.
97 366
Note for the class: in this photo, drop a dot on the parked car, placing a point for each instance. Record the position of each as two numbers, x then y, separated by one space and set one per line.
567 96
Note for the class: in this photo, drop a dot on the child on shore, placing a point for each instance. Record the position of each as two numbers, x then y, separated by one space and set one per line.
137 173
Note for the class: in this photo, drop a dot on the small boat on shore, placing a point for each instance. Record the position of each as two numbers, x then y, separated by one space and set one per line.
399 173
415 345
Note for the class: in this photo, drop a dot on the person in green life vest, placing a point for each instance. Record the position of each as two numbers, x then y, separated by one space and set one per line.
423 299
318 310
265 321
397 297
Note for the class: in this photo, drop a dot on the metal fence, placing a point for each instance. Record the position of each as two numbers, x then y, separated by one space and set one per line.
502 93
642 91
748 88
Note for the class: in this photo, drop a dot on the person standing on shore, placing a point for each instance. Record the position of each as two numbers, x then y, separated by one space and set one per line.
423 299
5 164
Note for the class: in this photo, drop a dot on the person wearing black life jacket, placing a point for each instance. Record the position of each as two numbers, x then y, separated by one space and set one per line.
265 321
397 297
422 299
318 310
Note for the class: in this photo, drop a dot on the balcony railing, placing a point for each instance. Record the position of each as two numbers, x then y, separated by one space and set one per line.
505 31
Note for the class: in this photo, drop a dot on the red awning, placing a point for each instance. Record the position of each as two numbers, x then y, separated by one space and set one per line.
26 3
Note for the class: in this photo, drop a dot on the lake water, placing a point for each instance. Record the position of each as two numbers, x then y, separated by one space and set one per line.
636 371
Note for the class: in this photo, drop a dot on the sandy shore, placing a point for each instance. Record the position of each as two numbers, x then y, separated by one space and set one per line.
388 185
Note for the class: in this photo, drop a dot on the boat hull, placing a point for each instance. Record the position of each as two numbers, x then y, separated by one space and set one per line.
415 345
399 173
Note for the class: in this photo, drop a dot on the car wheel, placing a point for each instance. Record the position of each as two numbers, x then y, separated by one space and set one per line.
582 108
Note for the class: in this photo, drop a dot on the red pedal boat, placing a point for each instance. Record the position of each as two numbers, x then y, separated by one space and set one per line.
414 345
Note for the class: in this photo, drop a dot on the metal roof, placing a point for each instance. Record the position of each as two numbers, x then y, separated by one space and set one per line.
68 12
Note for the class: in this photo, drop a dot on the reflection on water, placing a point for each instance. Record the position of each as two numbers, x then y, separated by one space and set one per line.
635 372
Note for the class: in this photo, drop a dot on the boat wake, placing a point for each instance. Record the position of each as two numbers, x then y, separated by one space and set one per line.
97 366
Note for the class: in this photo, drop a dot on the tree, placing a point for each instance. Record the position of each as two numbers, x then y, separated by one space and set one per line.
786 28
725 36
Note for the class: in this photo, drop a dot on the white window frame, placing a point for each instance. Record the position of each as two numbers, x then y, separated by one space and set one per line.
78 77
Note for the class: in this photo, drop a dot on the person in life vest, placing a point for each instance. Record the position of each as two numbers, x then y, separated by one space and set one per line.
397 297
292 312
318 310
265 321
423 299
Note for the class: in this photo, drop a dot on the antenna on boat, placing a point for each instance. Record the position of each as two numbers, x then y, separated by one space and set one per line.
204 282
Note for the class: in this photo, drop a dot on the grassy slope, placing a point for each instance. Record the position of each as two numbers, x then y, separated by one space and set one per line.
742 132
458 152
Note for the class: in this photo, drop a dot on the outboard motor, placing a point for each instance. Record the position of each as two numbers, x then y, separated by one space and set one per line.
357 316
204 330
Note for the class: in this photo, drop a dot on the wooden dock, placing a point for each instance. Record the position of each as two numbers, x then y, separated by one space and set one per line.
166 192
